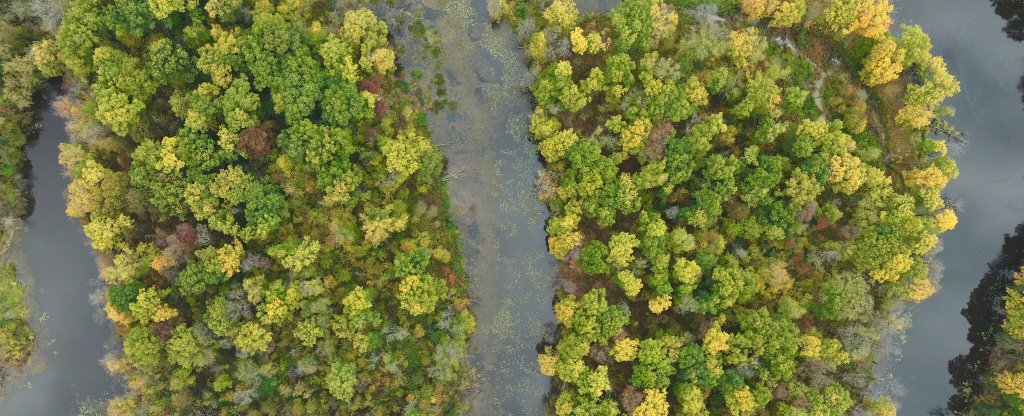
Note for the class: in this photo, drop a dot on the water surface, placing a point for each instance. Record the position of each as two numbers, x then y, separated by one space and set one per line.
492 168
65 369
968 34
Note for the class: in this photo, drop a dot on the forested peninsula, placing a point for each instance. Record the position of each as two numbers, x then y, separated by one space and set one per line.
742 195
269 212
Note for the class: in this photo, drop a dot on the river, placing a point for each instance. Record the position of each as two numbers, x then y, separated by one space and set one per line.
492 168
65 370
968 34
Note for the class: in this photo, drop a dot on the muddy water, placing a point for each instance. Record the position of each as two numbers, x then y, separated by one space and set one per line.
65 371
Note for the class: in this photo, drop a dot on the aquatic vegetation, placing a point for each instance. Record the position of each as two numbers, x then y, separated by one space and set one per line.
270 213
744 194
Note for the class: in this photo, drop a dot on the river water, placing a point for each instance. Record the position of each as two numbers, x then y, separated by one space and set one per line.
968 34
65 370
492 168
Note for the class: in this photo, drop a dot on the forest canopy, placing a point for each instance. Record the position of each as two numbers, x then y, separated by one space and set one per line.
742 193
269 211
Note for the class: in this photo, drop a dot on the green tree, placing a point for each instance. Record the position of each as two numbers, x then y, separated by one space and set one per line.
592 258
143 350
296 255
341 380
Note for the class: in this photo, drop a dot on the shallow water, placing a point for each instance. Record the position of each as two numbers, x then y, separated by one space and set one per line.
65 369
492 169
968 34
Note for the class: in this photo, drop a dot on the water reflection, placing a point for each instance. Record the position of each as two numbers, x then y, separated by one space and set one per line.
1012 11
969 35
985 314
984 311
66 372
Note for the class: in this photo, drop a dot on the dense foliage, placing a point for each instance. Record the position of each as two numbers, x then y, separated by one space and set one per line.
739 202
269 210
990 378
16 336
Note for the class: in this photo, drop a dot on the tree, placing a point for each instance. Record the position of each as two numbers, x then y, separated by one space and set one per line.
143 350
169 63
741 401
782 13
621 248
883 64
46 56
253 338
1014 322
129 20
296 255
634 24
343 104
629 283
240 105
107 233
183 349
868 18
538 47
150 307
162 9
845 297
625 349
341 380
555 147
654 404
746 48
80 32
367 35
654 365
419 294
562 15
592 258
118 111
917 44
404 153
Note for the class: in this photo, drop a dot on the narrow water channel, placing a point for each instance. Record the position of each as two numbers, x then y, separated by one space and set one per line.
65 371
492 169
968 34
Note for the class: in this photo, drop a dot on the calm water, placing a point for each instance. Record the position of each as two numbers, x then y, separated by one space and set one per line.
492 169
66 368
989 65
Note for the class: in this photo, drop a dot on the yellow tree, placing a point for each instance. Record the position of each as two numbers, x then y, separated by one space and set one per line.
562 14
782 13
883 64
868 18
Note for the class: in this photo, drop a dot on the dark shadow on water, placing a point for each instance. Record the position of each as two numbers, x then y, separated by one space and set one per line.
1012 11
985 313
